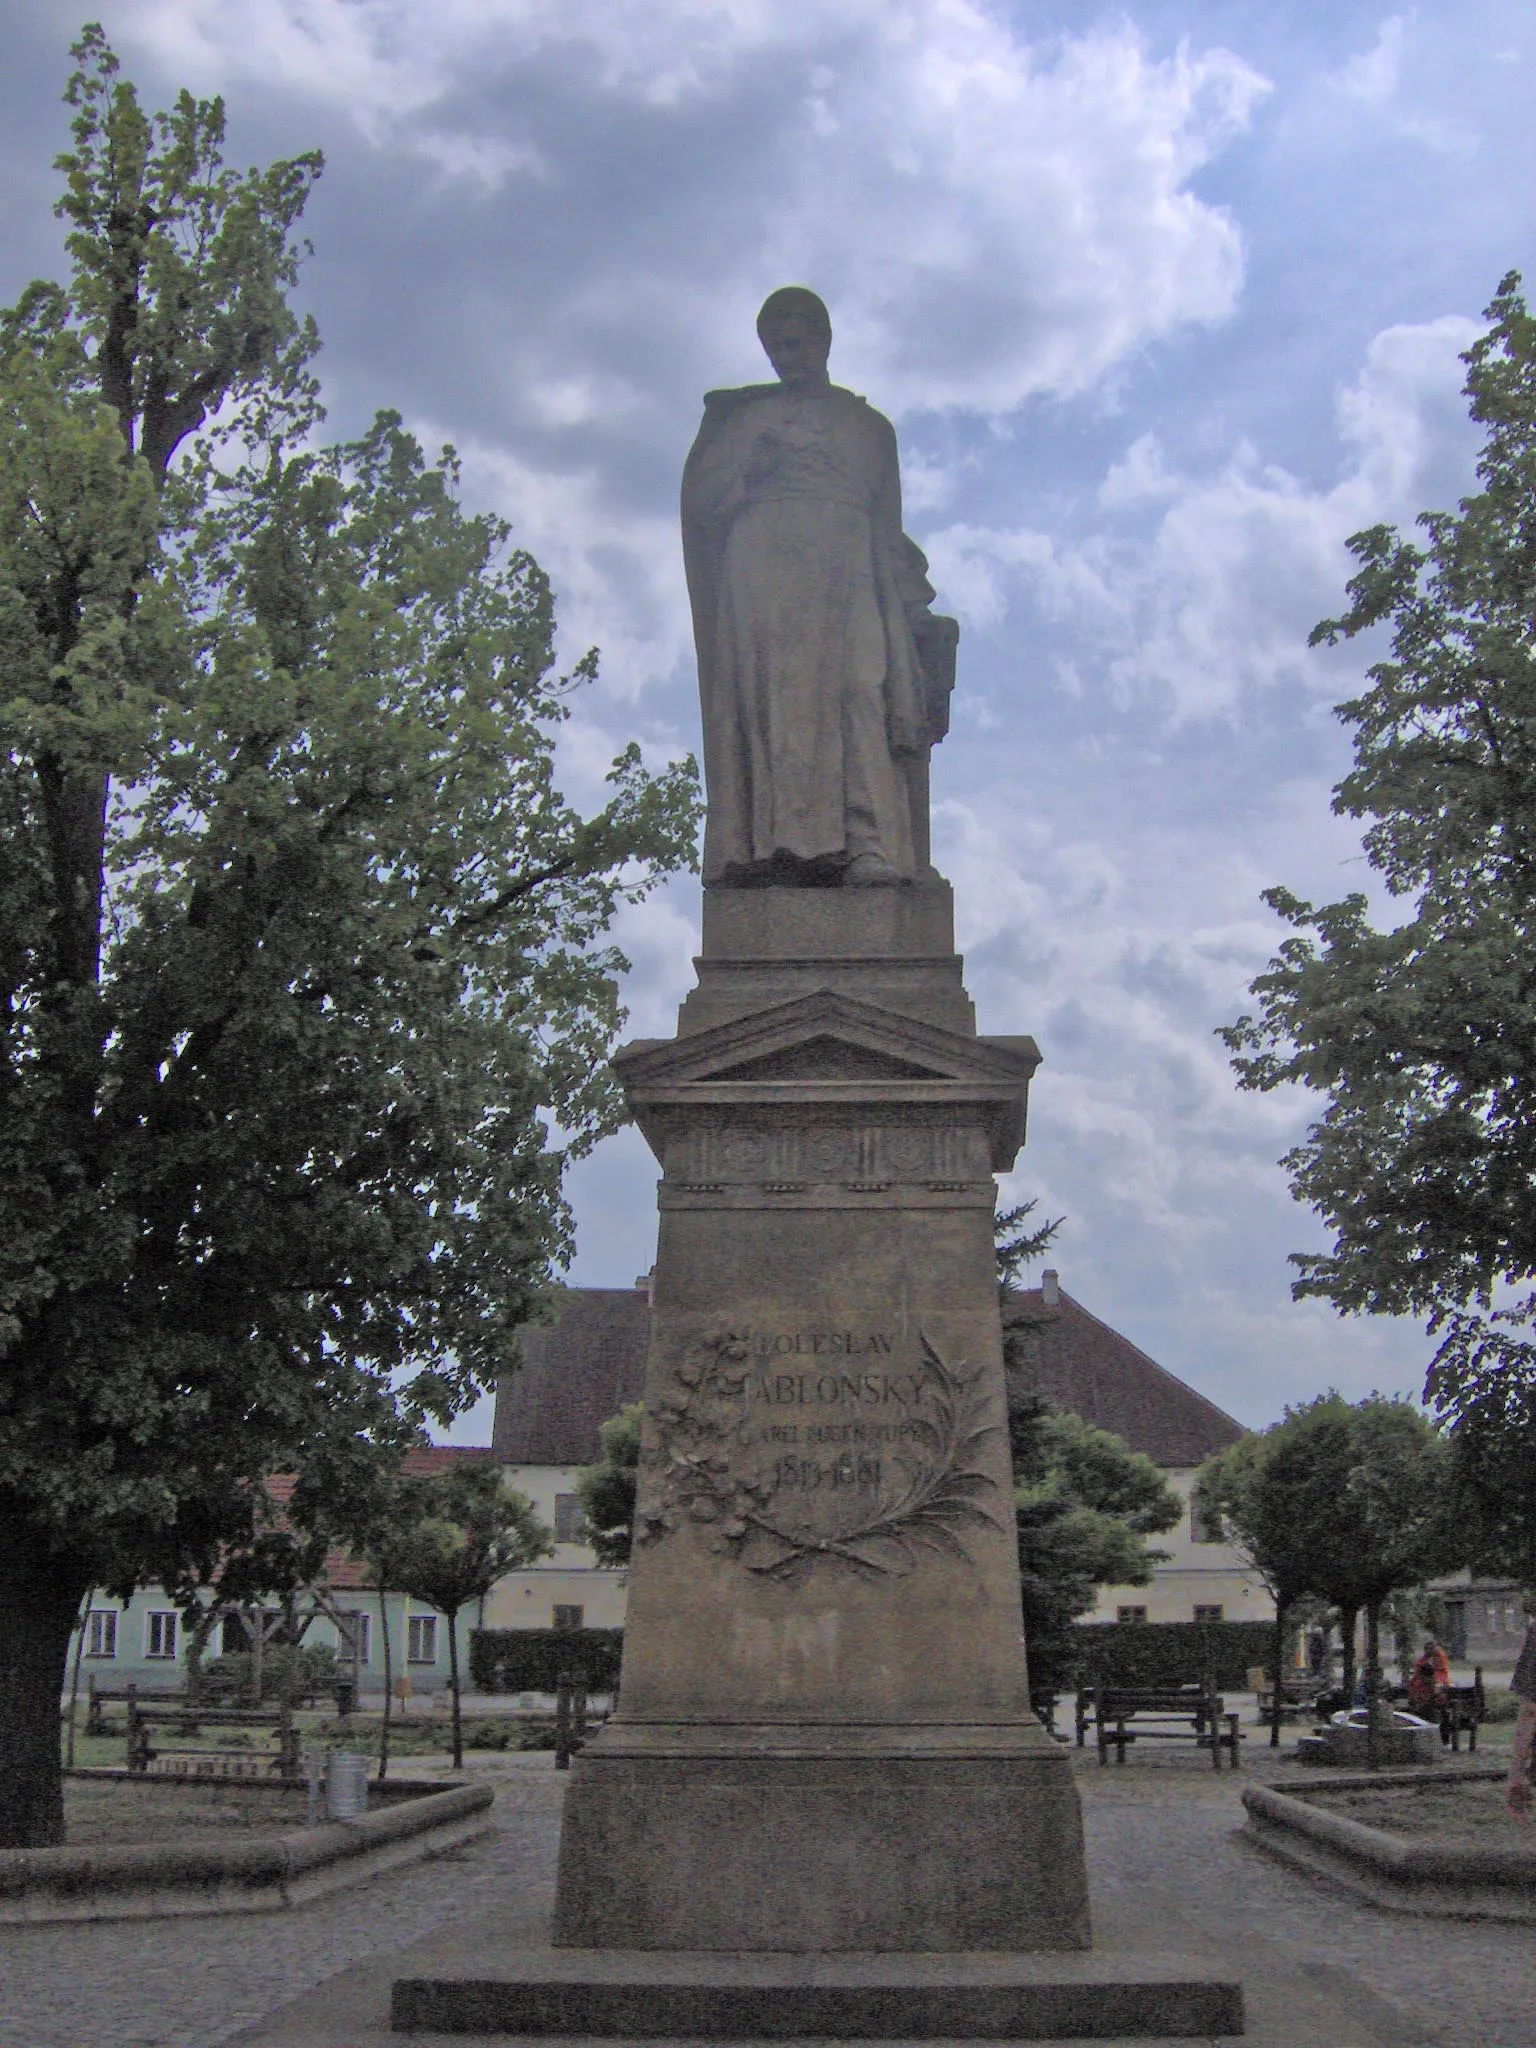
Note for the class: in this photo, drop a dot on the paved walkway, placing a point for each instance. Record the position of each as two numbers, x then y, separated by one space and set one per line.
1160 1837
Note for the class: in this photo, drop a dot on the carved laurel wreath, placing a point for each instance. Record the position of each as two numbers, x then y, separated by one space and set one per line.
939 1497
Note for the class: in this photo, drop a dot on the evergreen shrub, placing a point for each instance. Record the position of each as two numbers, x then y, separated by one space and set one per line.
536 1659
1157 1653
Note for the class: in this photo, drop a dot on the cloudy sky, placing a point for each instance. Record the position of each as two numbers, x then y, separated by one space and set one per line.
1166 300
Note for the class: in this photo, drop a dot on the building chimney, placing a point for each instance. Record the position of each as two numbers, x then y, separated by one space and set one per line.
1050 1287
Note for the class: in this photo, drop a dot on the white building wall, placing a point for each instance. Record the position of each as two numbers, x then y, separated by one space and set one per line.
1197 1574
571 1578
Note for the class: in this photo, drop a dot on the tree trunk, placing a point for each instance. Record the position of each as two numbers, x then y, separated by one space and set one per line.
1349 1618
74 1675
1372 1683
1277 1700
453 1680
389 1687
40 1594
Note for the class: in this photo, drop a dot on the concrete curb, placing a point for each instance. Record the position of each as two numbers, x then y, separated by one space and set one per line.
155 1880
1492 1882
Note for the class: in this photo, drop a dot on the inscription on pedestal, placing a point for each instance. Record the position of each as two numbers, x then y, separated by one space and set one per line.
856 1445
851 1155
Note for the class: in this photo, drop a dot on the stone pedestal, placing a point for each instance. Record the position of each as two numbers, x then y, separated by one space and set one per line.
824 1741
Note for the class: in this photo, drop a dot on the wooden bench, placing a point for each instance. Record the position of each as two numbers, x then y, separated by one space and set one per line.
1195 1711
1298 1693
1462 1711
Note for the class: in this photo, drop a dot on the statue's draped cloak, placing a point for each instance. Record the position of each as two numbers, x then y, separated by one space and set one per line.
802 587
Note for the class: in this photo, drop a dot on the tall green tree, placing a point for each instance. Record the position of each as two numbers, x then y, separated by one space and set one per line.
447 1540
1085 1504
1348 1502
1420 1033
301 950
1278 1494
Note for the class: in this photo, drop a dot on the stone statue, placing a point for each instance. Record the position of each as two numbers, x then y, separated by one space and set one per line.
824 676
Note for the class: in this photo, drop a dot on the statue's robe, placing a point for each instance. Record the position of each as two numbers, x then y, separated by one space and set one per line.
803 587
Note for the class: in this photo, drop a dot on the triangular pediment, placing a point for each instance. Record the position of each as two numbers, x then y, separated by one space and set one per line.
830 1058
827 1037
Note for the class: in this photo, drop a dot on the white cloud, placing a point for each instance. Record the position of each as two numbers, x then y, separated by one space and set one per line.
990 217
1379 81
1374 75
617 572
1215 601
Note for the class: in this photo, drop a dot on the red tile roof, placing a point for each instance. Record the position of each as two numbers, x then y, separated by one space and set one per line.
574 1375
1083 1367
345 1572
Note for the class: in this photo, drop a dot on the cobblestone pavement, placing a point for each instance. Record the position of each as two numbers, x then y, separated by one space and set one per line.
1163 1831
1425 1982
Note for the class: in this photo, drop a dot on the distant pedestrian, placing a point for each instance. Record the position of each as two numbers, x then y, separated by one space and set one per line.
1429 1681
1518 1792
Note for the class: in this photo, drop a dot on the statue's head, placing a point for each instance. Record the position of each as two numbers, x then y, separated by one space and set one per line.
795 329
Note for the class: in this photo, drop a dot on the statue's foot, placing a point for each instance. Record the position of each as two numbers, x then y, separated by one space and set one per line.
870 871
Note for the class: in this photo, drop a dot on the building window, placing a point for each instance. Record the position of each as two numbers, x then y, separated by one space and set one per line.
1491 1614
101 1632
569 1617
570 1523
353 1630
1207 1613
160 1633
1205 1525
1130 1614
421 1639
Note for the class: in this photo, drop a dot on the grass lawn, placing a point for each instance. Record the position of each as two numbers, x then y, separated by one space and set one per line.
97 1812
1447 1812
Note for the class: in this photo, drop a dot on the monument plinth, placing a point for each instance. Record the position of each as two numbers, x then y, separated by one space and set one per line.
823 1790
824 1739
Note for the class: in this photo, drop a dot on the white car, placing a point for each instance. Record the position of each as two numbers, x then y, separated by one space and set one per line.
1401 1718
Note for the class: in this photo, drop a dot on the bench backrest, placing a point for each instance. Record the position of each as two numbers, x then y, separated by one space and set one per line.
1130 1699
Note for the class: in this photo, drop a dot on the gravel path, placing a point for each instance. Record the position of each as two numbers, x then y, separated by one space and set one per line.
1156 1829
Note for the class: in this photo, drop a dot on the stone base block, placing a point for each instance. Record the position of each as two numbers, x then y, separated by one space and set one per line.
1351 1746
830 924
845 1997
938 1839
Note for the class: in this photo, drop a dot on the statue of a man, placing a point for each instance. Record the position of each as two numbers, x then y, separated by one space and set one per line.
823 675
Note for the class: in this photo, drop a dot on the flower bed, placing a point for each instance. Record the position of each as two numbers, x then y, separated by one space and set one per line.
1416 1841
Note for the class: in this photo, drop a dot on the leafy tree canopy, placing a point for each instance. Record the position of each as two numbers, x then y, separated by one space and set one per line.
606 1490
302 952
1084 1505
1422 1036
447 1539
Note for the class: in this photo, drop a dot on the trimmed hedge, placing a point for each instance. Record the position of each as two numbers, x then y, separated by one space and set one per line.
1121 1652
1172 1652
536 1659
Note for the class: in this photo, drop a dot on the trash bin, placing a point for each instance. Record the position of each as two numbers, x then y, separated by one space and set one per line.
346 1785
346 1697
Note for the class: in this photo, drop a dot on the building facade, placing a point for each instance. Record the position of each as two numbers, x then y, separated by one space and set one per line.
591 1362
145 1641
549 1415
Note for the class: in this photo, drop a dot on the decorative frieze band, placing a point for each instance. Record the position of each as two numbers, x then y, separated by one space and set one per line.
864 1157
